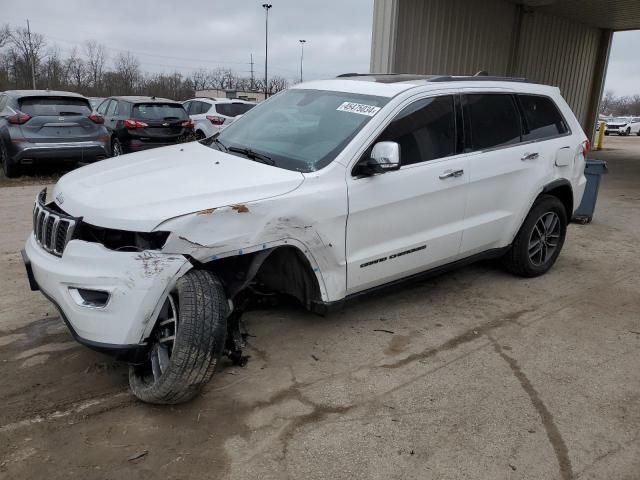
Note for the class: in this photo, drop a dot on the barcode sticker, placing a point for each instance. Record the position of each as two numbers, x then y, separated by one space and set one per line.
359 108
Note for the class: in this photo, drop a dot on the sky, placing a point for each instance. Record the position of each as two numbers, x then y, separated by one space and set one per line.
187 35
623 76
170 35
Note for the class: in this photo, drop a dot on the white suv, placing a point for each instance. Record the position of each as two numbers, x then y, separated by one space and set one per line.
327 190
210 115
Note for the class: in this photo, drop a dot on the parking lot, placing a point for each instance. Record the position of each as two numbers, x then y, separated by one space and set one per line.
474 374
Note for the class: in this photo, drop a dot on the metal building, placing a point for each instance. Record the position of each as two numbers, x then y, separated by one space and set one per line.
558 42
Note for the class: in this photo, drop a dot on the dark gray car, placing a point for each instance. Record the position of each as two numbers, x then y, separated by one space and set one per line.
39 126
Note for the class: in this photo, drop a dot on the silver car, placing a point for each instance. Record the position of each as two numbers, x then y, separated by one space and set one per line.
38 126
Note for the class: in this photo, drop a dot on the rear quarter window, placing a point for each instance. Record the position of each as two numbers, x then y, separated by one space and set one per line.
233 109
542 119
54 106
159 111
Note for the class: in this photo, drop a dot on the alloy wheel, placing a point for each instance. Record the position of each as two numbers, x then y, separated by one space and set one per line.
544 238
163 338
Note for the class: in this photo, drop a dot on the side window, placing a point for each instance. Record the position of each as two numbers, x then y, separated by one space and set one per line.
3 103
542 118
202 107
112 109
425 130
102 108
493 121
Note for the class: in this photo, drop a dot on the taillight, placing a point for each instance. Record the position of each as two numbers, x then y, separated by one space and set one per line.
215 120
187 124
586 147
19 118
96 118
134 124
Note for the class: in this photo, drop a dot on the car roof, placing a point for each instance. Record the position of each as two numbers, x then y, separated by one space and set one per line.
390 85
41 93
144 99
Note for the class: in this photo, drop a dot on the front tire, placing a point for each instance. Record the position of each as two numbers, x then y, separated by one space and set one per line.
540 239
195 315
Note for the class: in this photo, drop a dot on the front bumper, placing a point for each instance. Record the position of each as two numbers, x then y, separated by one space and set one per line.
87 151
137 284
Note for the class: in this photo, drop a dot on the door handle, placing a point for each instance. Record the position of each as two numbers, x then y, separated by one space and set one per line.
530 156
451 173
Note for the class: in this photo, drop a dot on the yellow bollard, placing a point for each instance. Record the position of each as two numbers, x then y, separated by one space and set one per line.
600 140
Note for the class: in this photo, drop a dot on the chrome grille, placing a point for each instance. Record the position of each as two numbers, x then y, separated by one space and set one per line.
52 229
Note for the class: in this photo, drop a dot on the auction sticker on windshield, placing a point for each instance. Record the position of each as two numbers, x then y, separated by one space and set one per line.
360 108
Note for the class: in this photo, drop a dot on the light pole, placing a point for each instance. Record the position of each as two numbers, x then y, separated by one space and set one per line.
302 42
266 7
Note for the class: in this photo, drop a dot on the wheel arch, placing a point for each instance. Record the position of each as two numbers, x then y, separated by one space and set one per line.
284 269
562 190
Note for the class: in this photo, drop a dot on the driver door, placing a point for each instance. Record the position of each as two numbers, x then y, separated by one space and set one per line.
410 220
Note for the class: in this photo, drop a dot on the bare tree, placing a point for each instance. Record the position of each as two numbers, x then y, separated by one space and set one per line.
96 60
277 84
30 47
127 73
5 34
75 70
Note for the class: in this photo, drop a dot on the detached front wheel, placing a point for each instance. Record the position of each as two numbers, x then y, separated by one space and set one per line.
186 342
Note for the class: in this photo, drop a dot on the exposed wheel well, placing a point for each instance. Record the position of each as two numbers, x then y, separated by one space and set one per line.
283 269
562 190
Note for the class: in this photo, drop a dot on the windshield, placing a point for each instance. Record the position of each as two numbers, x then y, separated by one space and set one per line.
301 130
619 120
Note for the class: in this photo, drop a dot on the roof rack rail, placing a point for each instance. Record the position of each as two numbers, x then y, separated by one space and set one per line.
353 74
479 78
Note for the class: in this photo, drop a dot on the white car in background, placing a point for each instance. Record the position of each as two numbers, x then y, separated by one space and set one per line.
623 126
210 115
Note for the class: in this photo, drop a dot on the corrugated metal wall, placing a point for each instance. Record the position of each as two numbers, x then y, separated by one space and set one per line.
457 37
558 52
461 37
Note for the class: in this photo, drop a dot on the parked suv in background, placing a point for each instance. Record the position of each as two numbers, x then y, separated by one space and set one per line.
39 126
210 115
623 126
365 181
140 123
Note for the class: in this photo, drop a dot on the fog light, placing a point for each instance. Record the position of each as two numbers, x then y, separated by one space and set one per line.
89 298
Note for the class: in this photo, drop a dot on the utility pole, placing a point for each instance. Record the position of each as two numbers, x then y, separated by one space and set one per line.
31 59
302 42
266 7
252 80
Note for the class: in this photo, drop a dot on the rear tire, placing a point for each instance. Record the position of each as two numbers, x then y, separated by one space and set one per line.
116 148
540 239
200 333
9 168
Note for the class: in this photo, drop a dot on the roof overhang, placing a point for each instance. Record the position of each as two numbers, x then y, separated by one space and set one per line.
608 14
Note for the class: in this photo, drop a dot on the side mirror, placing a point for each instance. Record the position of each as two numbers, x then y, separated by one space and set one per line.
385 157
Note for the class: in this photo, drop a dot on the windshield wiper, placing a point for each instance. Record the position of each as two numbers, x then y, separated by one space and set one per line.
218 142
250 154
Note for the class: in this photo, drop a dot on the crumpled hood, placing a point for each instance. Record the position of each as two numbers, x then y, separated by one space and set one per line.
139 191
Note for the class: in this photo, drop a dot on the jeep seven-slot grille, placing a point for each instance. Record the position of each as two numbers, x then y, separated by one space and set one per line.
52 229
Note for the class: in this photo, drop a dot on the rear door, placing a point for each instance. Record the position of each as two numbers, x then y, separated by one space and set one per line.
510 162
58 119
165 122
